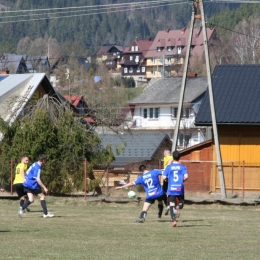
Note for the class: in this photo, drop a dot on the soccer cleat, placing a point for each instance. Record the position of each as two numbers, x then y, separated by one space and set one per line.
27 209
20 211
159 215
167 210
49 215
139 220
174 223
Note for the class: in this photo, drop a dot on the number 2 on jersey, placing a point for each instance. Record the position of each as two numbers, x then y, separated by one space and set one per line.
149 183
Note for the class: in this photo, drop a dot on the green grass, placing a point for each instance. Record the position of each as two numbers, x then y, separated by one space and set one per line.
91 230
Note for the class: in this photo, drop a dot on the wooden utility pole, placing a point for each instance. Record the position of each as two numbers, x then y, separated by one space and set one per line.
198 6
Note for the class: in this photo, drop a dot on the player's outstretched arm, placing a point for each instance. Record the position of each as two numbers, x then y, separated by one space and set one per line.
125 186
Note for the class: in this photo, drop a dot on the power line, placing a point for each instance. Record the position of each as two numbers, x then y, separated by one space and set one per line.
155 4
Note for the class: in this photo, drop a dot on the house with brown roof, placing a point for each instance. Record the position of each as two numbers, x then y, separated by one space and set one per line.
110 55
166 55
133 61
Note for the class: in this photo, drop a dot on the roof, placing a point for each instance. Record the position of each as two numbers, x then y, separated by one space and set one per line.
139 146
174 38
20 88
167 90
143 46
105 48
236 91
11 61
75 99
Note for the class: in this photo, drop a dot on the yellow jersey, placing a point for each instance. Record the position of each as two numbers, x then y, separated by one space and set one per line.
18 177
166 160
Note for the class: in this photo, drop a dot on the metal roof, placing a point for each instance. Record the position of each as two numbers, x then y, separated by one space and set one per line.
19 88
138 146
167 90
236 91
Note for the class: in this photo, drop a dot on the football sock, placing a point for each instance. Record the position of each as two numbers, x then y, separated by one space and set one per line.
44 207
21 203
173 210
160 209
143 214
26 204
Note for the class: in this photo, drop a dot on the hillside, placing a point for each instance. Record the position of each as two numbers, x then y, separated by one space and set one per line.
84 32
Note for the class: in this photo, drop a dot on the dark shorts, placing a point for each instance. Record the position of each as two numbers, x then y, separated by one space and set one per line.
161 198
35 192
19 188
177 199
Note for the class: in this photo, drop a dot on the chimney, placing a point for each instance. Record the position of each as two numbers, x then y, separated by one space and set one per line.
4 72
183 30
167 31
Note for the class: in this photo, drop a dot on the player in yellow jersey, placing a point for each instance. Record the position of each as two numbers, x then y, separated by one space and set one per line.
20 171
166 161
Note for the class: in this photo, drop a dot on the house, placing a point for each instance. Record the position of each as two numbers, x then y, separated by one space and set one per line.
133 62
110 55
136 149
37 64
167 53
13 63
155 109
18 90
236 91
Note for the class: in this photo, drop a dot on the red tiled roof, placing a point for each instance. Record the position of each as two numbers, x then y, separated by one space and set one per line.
176 38
74 99
89 119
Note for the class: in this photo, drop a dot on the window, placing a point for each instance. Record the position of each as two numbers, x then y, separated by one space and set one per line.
175 111
138 69
133 48
179 49
169 48
125 70
154 112
159 49
143 69
169 60
131 57
153 60
131 70
137 59
145 112
136 48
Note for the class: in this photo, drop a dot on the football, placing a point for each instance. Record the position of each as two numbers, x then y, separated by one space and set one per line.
131 194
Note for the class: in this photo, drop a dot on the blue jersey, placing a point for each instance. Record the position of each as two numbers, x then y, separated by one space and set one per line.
151 183
175 173
30 179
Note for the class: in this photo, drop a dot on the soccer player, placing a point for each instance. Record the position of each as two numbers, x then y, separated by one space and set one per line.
20 170
176 173
33 184
166 161
150 180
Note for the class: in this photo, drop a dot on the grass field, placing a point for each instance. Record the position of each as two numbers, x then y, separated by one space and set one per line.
91 230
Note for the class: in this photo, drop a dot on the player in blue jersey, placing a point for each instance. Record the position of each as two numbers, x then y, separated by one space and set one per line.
32 186
176 173
150 180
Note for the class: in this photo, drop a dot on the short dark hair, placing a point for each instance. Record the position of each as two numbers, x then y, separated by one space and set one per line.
176 155
42 157
142 168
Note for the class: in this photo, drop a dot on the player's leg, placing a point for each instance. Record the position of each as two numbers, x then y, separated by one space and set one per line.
143 214
160 205
172 200
27 202
46 214
20 193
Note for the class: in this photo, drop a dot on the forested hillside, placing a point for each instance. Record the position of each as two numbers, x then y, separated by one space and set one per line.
85 33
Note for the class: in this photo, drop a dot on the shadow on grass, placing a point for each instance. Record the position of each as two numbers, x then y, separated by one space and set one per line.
4 231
